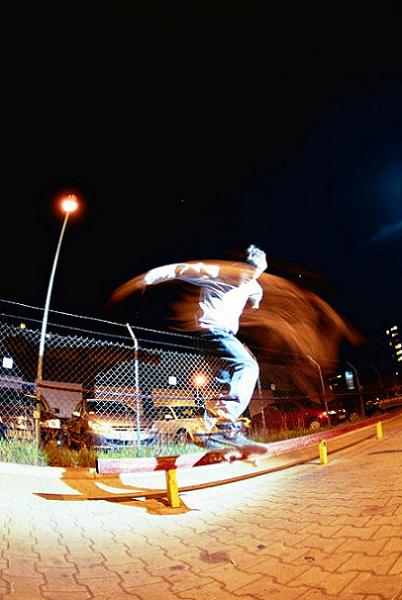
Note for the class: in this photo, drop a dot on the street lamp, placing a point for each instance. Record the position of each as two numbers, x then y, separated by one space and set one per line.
69 204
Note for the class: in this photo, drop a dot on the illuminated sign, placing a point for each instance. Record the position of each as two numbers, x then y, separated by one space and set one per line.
349 379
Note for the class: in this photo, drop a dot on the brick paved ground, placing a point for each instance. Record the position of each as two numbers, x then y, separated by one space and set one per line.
310 532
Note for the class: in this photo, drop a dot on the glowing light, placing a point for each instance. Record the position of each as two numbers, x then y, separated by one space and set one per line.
69 203
200 380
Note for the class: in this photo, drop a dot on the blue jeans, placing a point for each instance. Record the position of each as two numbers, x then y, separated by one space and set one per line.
240 372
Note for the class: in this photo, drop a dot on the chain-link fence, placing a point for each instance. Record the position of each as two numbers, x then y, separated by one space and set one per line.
112 385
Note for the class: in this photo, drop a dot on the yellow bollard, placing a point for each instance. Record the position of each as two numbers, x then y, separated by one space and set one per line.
379 430
172 488
323 452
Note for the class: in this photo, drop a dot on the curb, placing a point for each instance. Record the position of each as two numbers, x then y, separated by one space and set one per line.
147 464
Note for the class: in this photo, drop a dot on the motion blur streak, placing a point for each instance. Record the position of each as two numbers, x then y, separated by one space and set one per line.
290 319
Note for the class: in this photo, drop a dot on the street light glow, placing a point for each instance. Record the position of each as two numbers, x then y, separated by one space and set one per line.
70 203
200 380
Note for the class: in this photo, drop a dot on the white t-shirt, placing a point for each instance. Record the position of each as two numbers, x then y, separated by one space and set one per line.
221 304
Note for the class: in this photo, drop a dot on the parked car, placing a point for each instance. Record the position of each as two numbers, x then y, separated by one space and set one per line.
372 406
338 413
18 410
389 400
16 418
292 414
104 424
374 403
178 424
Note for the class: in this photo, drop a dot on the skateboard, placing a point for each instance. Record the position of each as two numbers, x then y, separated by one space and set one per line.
231 450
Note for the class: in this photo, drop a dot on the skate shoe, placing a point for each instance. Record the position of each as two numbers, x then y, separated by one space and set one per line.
234 434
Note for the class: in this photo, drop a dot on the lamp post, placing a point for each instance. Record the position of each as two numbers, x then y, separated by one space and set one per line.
324 394
69 204
379 376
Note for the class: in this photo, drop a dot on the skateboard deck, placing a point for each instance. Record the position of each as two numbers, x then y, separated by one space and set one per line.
231 450
251 454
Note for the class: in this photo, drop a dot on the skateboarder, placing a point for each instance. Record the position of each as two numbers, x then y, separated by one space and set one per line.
224 294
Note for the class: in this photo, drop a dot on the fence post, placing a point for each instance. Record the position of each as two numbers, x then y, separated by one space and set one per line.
379 376
324 393
261 401
136 383
359 388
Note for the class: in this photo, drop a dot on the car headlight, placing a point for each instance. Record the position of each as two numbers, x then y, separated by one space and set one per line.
22 422
99 427
52 423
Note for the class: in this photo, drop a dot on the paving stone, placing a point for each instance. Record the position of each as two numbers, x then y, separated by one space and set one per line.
329 581
275 569
100 588
213 591
369 547
60 595
318 594
325 544
328 561
397 566
393 544
266 588
232 577
361 533
379 565
154 591
385 587
23 587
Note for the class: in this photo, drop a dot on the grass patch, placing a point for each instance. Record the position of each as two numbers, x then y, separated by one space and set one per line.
28 453
154 450
58 456
22 452
265 436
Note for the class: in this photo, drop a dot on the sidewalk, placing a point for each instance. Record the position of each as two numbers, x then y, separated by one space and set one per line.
310 531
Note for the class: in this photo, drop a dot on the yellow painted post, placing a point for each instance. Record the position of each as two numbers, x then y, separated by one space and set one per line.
172 488
323 452
379 431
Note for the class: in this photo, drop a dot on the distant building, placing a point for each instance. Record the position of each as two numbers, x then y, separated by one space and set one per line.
395 346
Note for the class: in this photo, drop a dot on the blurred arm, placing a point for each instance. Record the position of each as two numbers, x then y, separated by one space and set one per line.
187 271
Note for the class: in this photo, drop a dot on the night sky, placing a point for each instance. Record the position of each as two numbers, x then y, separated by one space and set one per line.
186 142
